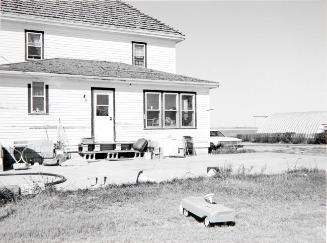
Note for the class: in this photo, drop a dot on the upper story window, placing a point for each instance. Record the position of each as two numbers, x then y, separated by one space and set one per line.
34 44
169 109
139 54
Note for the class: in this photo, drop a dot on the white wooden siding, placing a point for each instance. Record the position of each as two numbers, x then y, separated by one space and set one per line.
60 42
70 100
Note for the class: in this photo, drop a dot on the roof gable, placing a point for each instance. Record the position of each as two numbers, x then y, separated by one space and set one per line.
101 69
102 13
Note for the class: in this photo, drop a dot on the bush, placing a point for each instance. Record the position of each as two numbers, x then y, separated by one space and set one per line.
319 138
290 138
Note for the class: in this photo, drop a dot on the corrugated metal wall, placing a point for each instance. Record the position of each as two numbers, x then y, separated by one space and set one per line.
295 122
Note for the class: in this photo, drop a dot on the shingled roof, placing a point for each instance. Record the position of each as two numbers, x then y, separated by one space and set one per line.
104 13
100 69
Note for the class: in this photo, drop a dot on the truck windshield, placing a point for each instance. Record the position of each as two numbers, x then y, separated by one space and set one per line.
216 134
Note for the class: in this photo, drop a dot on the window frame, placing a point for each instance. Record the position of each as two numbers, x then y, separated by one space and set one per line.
145 53
162 110
146 109
102 105
45 100
181 109
26 44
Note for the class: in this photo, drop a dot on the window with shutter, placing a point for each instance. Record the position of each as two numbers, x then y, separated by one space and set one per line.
38 98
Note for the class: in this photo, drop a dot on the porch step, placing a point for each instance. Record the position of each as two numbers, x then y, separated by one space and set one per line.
111 154
96 147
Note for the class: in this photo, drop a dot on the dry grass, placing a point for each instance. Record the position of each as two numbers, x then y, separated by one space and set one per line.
288 148
280 208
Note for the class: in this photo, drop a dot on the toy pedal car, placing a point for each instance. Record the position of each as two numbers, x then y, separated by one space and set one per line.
205 208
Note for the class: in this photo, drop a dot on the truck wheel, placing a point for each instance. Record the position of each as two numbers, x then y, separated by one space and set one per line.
185 212
231 223
207 222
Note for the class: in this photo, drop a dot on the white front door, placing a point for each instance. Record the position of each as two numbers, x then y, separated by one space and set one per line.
103 115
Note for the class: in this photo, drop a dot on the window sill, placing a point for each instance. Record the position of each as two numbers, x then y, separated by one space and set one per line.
34 59
38 114
168 128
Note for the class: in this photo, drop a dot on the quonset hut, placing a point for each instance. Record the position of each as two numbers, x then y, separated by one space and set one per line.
303 123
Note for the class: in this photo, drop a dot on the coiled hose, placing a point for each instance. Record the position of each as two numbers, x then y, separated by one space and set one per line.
47 184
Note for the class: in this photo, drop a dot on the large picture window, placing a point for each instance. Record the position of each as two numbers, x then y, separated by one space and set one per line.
169 109
34 45
139 54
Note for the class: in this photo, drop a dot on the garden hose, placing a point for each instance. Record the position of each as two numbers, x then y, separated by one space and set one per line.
47 184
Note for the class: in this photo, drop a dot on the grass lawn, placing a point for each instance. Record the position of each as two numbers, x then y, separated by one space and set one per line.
278 208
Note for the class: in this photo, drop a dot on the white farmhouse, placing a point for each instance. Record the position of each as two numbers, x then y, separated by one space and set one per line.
102 67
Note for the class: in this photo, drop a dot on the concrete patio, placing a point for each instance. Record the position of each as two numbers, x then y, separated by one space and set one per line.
80 174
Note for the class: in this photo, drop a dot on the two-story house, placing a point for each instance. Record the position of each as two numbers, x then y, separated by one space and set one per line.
102 67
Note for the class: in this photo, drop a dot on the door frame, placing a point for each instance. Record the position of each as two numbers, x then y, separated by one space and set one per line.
92 109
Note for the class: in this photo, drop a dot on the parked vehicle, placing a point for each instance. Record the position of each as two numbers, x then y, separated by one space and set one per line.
218 139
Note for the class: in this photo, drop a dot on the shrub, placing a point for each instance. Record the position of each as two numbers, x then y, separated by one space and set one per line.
319 138
288 137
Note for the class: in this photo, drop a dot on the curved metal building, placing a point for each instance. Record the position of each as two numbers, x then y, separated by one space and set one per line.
295 122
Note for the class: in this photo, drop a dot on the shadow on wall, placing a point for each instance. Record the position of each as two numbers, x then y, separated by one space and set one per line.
21 154
8 160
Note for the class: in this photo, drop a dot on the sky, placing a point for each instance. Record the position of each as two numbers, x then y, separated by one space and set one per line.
269 56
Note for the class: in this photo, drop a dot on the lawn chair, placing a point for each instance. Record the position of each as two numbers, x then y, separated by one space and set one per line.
189 145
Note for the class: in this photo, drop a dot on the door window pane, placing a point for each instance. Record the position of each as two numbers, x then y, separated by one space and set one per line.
102 110
102 100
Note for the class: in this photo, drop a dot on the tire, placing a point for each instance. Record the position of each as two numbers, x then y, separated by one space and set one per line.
185 212
207 222
231 223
